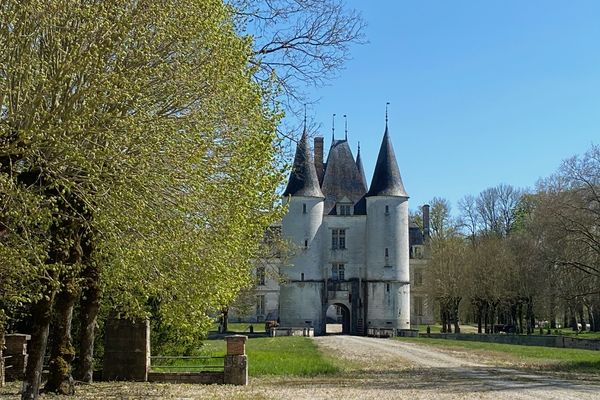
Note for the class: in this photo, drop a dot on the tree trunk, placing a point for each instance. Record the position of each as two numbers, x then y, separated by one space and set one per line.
454 303
581 318
529 317
225 319
41 313
591 318
62 352
90 304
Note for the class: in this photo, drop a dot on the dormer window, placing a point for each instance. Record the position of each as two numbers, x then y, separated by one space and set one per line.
344 209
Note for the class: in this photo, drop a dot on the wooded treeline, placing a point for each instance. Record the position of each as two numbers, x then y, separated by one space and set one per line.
514 259
140 160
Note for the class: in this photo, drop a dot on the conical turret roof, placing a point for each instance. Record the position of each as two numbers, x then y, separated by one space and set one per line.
303 179
342 178
361 169
386 178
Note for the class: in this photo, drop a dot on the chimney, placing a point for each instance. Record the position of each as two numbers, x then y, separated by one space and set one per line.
319 158
426 221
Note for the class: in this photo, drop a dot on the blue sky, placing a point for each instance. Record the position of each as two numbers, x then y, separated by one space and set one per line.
481 92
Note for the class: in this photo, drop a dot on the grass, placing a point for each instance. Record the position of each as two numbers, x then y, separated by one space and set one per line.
550 358
277 356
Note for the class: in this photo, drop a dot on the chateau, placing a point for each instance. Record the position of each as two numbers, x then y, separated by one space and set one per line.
355 245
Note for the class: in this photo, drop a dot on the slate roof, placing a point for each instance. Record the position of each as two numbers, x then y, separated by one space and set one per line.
361 169
342 177
303 179
386 177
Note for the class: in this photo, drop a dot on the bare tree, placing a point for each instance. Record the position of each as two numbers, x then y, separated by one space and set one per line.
299 42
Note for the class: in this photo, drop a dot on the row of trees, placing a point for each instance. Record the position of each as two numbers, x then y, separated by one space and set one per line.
517 258
139 159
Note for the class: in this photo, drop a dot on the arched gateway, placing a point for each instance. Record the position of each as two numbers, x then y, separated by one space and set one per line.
338 319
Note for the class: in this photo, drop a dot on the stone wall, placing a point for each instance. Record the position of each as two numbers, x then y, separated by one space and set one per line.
204 378
530 340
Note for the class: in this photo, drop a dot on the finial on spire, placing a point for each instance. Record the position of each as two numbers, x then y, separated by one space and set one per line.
358 148
332 128
386 113
346 127
304 116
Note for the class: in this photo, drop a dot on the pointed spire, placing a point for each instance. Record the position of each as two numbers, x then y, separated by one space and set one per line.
303 178
361 169
332 128
346 127
386 177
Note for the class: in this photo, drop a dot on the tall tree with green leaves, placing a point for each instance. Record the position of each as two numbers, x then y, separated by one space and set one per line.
137 159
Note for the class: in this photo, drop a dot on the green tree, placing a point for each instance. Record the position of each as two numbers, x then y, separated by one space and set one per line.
137 159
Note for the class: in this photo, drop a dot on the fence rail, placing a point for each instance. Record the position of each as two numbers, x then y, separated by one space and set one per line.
171 363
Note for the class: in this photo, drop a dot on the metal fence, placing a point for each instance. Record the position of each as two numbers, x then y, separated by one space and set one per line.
186 363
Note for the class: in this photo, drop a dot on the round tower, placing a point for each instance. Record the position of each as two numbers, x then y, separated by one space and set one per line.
387 269
300 297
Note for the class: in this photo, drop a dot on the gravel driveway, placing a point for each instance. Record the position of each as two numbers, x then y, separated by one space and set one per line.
393 369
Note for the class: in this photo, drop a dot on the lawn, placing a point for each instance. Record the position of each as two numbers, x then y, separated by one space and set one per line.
289 356
550 358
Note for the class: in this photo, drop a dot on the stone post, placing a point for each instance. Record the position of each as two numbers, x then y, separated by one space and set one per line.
126 350
236 361
16 349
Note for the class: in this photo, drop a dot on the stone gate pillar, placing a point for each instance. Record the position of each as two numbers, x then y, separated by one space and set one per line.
126 350
236 361
16 349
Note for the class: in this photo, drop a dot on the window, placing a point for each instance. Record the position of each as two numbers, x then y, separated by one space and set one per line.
418 278
338 239
302 276
306 243
260 304
418 306
260 276
304 208
387 252
387 210
387 287
337 272
344 209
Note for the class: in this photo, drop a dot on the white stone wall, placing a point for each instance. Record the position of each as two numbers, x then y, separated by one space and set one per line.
387 230
300 305
353 256
299 227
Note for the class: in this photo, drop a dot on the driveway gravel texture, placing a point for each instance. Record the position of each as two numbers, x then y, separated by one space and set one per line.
373 369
